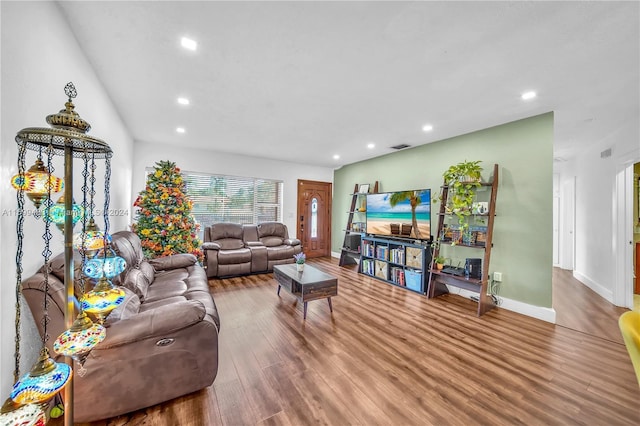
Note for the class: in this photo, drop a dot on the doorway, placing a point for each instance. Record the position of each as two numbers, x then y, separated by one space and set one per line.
314 217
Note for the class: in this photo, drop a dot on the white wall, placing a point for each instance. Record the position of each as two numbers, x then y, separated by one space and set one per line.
147 154
595 184
39 56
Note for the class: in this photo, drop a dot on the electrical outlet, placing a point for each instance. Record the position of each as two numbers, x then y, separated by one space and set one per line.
497 276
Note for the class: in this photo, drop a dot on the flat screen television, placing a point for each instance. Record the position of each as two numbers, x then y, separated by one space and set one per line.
404 214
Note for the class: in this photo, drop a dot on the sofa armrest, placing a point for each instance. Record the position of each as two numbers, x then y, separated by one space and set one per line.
160 322
253 244
175 261
292 242
210 246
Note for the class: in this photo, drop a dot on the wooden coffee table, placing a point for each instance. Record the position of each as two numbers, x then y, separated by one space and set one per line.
310 284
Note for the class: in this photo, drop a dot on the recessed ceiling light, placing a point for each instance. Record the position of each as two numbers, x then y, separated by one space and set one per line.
183 101
371 145
336 157
187 43
427 128
528 95
180 129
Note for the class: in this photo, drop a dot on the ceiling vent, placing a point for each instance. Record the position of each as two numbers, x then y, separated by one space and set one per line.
401 146
606 153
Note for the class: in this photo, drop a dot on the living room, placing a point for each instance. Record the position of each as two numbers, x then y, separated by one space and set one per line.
36 67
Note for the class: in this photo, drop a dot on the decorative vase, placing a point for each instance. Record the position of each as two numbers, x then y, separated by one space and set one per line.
300 267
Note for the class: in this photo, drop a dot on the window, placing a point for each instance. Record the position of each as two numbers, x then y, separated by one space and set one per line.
218 198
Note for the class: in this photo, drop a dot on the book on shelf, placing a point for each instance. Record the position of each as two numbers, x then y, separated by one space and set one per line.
368 267
396 255
367 249
382 252
397 275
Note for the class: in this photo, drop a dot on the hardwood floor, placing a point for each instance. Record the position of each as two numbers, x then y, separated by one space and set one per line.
387 356
582 309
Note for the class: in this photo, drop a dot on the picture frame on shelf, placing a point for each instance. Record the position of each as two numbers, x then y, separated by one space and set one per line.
363 188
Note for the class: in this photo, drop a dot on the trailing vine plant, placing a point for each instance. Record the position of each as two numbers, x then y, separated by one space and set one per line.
462 181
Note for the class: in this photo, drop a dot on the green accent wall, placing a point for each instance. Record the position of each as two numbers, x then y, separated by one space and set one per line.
522 238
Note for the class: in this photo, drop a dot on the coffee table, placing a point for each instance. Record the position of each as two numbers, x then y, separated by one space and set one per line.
310 284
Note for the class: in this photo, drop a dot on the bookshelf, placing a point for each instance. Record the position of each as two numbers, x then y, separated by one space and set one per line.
356 225
395 261
478 239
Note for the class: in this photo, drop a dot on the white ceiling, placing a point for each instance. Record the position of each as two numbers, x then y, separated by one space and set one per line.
302 81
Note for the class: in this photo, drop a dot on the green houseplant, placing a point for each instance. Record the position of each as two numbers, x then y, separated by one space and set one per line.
462 180
439 261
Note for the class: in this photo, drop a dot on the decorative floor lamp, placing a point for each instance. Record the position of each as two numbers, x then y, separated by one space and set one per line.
67 137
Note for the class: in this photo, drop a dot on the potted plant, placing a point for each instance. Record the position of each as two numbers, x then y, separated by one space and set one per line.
462 181
300 259
439 262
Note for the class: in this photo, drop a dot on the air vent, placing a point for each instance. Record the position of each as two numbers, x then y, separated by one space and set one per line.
606 153
401 146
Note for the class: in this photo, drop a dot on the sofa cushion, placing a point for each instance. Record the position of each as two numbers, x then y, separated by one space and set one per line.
128 246
272 241
231 257
136 281
128 308
175 261
228 235
56 268
230 244
268 229
147 270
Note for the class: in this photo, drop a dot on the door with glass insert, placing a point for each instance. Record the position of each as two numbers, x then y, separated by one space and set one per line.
314 217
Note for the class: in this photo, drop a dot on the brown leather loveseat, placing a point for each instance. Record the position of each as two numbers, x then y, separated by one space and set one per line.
233 249
161 342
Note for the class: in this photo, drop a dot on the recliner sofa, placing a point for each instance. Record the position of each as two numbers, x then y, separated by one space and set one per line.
232 249
161 342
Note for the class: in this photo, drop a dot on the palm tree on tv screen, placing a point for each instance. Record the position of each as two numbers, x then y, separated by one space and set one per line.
414 201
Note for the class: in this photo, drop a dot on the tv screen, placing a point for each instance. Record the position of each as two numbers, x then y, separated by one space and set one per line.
400 214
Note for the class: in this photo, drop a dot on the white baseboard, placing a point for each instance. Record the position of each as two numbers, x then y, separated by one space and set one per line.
603 292
539 312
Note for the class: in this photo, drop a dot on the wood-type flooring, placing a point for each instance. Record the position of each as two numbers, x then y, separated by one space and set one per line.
388 356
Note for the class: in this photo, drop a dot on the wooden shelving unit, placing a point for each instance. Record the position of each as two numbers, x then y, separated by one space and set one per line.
350 252
438 279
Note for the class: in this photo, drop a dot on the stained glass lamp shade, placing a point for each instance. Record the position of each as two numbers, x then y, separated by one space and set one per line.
13 414
45 379
57 213
104 264
34 183
81 337
103 299
91 240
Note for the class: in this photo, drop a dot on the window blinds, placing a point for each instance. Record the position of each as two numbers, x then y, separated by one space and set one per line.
243 200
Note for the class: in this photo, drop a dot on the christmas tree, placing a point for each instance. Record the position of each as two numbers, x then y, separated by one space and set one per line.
163 220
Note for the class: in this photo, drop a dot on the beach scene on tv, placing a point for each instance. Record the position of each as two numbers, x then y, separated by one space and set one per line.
402 214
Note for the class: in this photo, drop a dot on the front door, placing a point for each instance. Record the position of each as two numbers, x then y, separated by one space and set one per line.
314 217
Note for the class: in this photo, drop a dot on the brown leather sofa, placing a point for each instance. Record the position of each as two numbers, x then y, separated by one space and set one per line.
232 249
161 342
